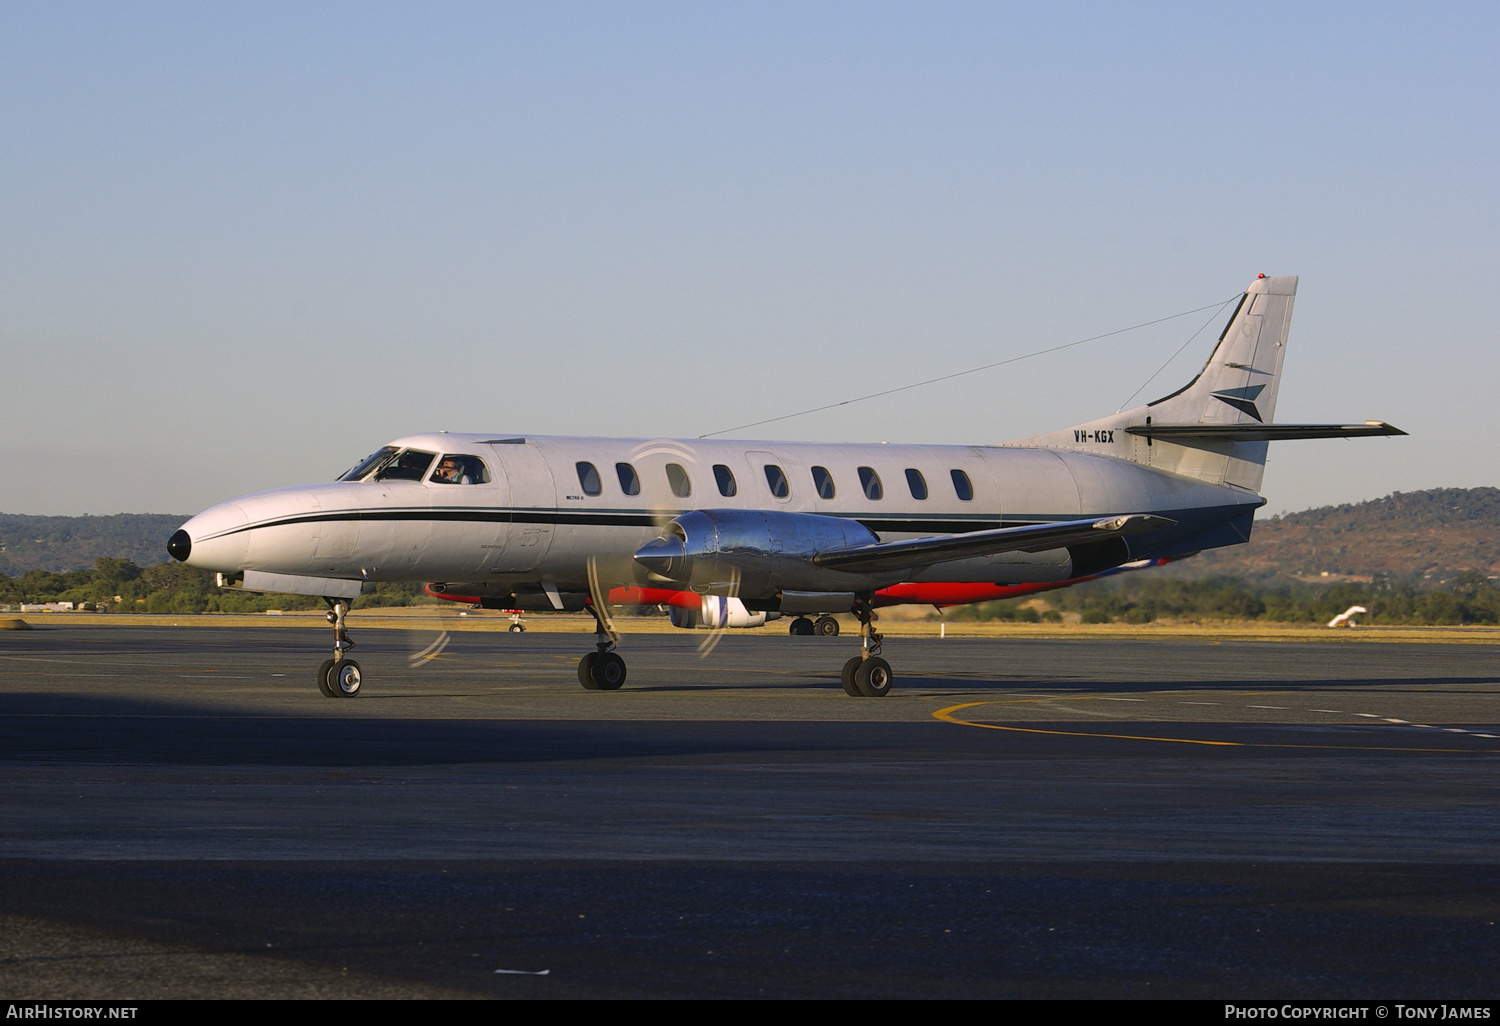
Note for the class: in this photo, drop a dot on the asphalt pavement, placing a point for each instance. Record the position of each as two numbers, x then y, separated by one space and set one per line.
184 814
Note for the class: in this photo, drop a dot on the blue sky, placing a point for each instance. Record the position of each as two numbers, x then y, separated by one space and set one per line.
242 246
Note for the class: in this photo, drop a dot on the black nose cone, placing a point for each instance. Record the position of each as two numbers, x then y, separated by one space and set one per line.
180 546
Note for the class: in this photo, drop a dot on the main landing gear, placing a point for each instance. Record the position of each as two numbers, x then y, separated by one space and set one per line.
602 669
339 677
825 627
867 675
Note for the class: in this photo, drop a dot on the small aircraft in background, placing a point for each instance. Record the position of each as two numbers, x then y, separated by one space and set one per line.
793 528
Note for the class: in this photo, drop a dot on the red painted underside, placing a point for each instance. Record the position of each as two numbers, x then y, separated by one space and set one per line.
901 594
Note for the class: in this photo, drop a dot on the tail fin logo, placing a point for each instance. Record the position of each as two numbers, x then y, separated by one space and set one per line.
1242 399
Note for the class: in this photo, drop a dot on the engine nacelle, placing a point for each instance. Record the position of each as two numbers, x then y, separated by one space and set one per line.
719 611
757 554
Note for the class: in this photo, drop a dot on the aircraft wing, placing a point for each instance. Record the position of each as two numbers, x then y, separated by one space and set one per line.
1262 432
1032 538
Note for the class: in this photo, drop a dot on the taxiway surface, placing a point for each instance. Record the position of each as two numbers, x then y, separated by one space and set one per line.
184 814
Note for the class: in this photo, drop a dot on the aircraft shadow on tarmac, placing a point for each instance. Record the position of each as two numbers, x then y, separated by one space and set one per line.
49 728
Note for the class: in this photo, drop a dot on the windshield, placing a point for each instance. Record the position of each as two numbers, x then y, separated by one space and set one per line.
369 463
392 464
409 465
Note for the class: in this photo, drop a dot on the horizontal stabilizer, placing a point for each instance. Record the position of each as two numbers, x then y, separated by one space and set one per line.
1033 538
1262 432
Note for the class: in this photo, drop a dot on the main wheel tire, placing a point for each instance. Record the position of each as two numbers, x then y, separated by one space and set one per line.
586 670
517 628
850 688
801 627
826 627
609 672
345 678
873 678
323 684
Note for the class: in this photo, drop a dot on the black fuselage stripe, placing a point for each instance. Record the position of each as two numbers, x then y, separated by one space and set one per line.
559 518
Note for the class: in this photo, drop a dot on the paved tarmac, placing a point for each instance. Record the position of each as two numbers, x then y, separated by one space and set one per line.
183 814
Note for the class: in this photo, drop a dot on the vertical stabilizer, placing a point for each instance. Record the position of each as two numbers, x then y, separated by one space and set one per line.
1238 385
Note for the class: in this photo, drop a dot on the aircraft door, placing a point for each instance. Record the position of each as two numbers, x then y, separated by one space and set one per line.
531 503
771 477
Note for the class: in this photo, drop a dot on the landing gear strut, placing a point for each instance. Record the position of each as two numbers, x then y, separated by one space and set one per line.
602 669
867 675
339 677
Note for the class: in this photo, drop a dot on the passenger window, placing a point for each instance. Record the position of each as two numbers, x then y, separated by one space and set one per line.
961 485
917 483
678 479
724 477
630 484
823 482
870 482
410 465
588 479
453 469
777 480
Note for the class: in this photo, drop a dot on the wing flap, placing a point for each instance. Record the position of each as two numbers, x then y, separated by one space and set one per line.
1031 538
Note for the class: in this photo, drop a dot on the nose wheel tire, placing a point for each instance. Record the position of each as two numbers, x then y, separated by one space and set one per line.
323 684
873 677
826 627
516 628
608 672
850 688
342 680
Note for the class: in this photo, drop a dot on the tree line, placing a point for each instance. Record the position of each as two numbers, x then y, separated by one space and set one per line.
121 586
1469 598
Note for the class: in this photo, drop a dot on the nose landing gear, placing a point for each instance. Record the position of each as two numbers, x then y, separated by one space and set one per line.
602 669
340 676
867 675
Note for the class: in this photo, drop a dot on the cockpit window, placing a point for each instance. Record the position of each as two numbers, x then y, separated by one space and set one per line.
362 469
408 465
455 469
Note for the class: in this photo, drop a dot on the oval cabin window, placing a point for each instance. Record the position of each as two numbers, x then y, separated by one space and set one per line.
870 482
678 479
917 483
777 480
588 479
961 485
823 482
630 482
724 478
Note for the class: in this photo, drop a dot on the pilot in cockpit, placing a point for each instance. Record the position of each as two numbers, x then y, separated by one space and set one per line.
451 471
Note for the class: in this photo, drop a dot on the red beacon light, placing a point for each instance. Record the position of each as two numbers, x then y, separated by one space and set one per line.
1260 275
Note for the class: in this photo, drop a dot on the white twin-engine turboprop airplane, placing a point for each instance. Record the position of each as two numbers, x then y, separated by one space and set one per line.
529 522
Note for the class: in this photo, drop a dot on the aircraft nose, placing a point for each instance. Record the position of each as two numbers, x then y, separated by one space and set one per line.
666 557
180 546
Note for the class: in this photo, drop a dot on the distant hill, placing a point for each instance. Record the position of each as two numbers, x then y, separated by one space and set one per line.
73 543
1425 538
